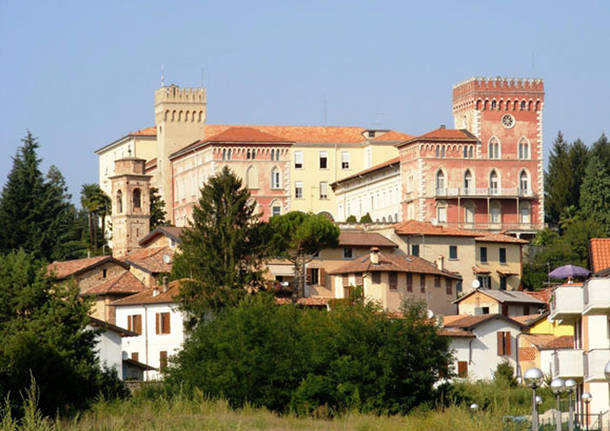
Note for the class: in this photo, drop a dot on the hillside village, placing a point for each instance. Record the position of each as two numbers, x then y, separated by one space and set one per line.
446 218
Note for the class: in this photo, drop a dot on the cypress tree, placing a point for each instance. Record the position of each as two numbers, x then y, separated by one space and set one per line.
158 216
557 180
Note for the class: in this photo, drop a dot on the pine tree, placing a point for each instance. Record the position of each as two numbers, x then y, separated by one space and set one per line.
601 150
578 155
557 180
158 216
222 252
34 212
595 193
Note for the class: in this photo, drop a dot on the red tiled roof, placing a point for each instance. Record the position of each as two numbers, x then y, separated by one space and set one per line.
68 268
392 262
150 164
527 353
393 135
151 259
468 322
479 270
500 237
302 134
380 166
600 254
149 131
124 283
543 295
148 296
550 342
244 134
454 332
529 319
414 227
364 239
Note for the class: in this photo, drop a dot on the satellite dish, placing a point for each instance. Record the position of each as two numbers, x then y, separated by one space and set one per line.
476 283
167 259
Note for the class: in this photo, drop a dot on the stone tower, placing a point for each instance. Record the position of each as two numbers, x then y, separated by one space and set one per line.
180 115
506 115
130 205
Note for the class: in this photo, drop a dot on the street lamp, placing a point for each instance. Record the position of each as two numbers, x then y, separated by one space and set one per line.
533 378
586 397
570 387
557 387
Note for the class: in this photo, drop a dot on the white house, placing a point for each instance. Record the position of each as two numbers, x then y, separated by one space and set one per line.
159 324
109 344
481 342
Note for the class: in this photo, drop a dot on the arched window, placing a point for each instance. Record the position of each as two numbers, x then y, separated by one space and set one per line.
229 154
137 198
470 152
253 153
251 178
469 212
438 151
478 105
119 202
494 183
525 211
500 105
224 154
493 149
272 154
248 155
443 152
468 184
493 104
441 212
524 183
495 212
524 149
276 208
440 181
465 151
523 105
276 179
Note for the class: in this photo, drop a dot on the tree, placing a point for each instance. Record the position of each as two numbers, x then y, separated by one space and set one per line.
601 150
557 180
366 218
595 193
34 212
222 254
578 156
298 236
351 219
98 206
158 216
44 335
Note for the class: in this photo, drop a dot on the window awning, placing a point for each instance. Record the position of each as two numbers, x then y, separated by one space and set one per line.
479 270
506 273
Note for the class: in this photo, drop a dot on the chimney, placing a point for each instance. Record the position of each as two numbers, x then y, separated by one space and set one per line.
374 255
440 263
165 285
442 126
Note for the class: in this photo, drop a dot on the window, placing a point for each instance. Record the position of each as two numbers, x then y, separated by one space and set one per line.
104 273
494 148
323 160
162 360
483 254
462 370
313 278
415 249
440 182
437 281
298 159
469 212
344 160
524 149
272 154
524 212
493 182
119 201
448 286
453 252
441 212
393 280
502 256
438 151
135 356
348 253
465 152
503 343
358 279
409 282
376 277
481 310
323 190
422 283
137 198
468 182
523 183
224 154
162 323
276 210
248 155
229 154
276 179
471 152
298 190
502 282
494 104
485 282
134 323
496 213
252 178
443 152
523 105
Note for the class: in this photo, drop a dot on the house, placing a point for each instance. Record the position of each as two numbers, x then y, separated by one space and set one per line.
155 316
391 278
150 264
509 303
480 343
162 236
109 344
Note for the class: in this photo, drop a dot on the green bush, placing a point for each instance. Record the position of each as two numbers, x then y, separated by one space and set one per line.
309 361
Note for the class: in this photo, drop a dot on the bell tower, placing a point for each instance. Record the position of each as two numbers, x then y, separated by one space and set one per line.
180 115
130 205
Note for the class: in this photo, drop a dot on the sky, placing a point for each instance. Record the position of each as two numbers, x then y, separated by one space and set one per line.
81 74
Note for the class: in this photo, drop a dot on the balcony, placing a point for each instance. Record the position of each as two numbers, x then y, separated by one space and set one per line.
566 303
596 296
568 364
594 362
495 227
496 193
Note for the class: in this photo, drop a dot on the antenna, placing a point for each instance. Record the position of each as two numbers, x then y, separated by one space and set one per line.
162 75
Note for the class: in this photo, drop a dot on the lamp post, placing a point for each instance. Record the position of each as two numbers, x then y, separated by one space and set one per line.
570 387
586 397
557 387
533 378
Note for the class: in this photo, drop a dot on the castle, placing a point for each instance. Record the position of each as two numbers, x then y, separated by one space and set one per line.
485 174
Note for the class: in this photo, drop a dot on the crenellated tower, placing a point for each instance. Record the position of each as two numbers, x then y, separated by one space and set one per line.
130 205
180 115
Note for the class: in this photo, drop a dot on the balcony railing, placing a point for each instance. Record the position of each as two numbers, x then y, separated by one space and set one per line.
496 226
593 364
566 302
472 192
596 296
568 363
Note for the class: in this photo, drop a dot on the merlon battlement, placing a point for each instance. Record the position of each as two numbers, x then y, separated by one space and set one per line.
175 94
502 83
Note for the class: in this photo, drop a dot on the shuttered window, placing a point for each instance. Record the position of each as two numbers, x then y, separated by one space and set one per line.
437 281
448 286
503 343
376 276
134 323
462 369
393 280
162 323
409 282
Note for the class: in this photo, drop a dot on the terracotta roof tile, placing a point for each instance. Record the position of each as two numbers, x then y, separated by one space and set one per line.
550 342
529 319
454 332
600 254
393 136
149 131
392 262
151 259
500 237
468 322
395 160
244 134
148 296
414 227
302 134
543 295
68 268
364 239
124 283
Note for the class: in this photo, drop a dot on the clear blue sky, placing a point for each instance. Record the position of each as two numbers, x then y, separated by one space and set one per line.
81 74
